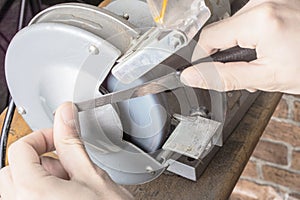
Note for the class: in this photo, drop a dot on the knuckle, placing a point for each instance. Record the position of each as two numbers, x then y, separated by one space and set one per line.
268 13
269 8
73 141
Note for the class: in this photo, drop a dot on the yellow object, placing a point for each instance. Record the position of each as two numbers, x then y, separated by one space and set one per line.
104 3
160 18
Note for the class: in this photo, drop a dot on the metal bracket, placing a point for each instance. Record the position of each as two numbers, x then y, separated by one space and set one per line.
152 48
193 136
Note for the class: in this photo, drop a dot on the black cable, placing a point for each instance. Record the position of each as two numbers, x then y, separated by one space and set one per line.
5 131
11 106
22 14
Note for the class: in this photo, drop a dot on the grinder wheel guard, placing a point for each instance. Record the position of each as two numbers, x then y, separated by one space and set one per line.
67 53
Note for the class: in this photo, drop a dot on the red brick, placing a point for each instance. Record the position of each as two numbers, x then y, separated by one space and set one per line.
282 177
297 111
285 132
272 152
250 170
246 190
281 110
296 160
294 196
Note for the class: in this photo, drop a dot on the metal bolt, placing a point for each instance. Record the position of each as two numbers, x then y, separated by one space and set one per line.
93 50
150 170
21 110
200 111
176 40
126 16
189 148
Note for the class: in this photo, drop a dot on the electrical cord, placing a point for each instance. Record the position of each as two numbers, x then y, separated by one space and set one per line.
5 131
11 106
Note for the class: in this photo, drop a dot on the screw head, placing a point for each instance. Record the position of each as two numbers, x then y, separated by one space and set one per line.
21 110
126 16
93 50
176 40
189 148
150 170
200 111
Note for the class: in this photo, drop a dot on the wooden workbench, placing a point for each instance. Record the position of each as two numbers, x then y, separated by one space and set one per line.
222 173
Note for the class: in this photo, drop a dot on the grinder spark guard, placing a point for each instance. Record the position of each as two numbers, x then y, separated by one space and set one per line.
68 53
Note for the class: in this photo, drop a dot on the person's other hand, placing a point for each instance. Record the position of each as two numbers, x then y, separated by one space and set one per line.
32 176
272 27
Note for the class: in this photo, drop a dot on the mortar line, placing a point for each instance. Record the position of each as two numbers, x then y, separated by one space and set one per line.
283 167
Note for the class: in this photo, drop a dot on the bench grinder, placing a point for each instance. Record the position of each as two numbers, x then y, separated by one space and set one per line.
76 52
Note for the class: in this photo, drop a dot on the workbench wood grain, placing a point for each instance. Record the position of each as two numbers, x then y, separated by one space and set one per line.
18 129
221 175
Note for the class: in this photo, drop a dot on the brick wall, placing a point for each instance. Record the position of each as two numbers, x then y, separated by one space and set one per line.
273 171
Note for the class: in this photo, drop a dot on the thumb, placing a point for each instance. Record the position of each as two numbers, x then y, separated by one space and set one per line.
227 76
69 147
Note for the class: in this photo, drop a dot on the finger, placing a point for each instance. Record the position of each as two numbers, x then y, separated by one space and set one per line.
24 155
7 188
245 30
228 76
54 167
102 173
69 147
120 191
251 4
230 32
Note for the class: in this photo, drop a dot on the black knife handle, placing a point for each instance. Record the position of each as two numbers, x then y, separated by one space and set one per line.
234 54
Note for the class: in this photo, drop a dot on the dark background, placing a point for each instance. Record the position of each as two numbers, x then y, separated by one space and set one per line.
9 15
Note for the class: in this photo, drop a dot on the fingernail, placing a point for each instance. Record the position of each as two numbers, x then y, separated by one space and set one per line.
69 115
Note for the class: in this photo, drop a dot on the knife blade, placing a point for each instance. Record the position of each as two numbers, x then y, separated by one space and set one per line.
168 82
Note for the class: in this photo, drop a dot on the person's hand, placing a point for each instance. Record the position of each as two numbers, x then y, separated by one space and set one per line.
73 176
272 27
